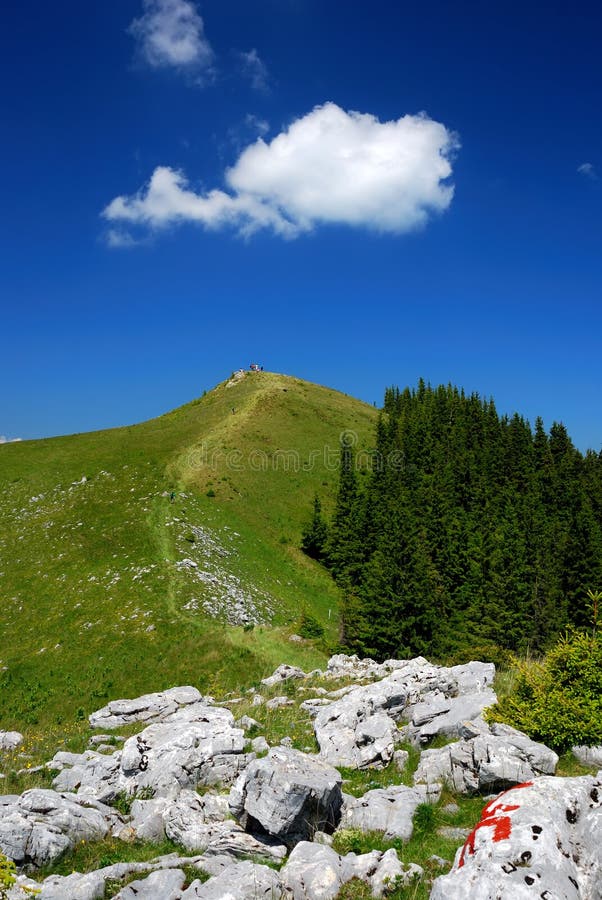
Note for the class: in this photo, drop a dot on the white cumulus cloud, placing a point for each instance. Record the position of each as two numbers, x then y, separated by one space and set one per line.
171 33
328 167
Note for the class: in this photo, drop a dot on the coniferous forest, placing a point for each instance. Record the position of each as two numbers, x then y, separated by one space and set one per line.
465 530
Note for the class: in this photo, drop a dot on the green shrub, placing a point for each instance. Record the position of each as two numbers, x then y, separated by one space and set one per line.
7 874
559 700
309 627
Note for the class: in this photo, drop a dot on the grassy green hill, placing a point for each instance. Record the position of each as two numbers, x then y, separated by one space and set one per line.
98 600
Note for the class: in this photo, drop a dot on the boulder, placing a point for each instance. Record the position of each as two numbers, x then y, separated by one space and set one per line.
588 756
161 885
147 708
92 774
147 818
287 794
317 872
199 824
240 881
278 702
10 740
314 871
283 673
390 810
40 825
493 758
539 839
162 759
438 715
90 886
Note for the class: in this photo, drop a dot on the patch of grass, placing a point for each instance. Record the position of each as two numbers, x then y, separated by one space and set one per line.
88 856
570 767
89 581
424 844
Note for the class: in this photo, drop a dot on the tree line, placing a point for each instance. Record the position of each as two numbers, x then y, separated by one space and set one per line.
467 529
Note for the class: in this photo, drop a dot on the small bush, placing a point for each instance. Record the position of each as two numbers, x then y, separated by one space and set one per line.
309 627
8 873
559 701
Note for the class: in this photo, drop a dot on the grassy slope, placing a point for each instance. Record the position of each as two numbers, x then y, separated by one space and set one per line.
93 606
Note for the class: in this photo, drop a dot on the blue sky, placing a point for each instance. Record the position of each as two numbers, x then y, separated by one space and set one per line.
301 210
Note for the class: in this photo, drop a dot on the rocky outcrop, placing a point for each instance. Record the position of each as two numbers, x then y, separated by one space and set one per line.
290 802
147 708
390 810
200 824
490 758
539 839
360 729
40 825
241 881
287 794
196 744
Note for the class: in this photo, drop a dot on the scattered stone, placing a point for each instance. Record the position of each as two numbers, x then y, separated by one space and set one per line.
283 673
450 833
260 745
277 702
247 722
10 740
588 756
401 759
318 872
392 874
450 808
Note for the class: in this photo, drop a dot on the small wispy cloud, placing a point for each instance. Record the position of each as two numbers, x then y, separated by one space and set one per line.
170 34
5 440
256 124
115 237
254 69
588 170
328 167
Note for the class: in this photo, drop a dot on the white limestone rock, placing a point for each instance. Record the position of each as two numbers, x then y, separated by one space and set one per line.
588 756
240 881
163 759
40 825
161 885
10 740
497 757
390 810
147 708
288 794
283 673
540 839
